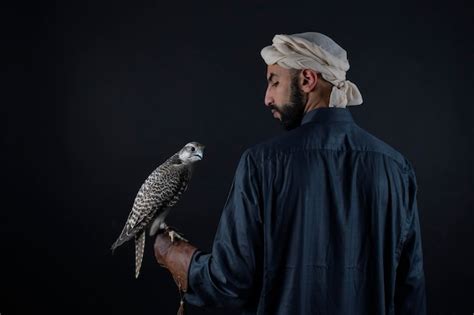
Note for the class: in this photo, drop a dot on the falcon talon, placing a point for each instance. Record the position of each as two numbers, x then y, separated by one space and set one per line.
173 234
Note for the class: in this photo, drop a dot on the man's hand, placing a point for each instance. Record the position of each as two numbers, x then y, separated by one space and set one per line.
175 256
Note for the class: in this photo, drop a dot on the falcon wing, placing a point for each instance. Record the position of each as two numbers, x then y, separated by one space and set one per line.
160 190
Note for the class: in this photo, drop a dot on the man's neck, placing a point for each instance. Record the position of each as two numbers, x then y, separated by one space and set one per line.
320 103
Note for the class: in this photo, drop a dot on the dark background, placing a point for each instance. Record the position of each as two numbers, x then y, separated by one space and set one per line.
96 95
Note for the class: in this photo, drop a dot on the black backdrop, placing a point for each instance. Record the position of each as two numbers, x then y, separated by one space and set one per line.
96 95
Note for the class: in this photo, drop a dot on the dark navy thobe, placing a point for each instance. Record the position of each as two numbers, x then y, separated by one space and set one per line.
320 220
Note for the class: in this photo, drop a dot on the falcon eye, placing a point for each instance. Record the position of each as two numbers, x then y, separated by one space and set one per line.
193 149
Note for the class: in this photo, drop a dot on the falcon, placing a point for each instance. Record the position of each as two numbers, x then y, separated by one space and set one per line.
157 195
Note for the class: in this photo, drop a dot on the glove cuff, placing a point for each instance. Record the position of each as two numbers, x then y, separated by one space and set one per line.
176 257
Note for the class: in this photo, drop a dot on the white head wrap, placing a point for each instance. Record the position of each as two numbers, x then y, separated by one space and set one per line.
318 52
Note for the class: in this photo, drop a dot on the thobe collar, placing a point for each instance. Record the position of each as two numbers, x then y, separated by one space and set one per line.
327 115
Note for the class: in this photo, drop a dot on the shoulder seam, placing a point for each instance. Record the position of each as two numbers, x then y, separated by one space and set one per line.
286 151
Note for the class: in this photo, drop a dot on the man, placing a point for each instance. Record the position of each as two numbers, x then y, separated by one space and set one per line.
321 220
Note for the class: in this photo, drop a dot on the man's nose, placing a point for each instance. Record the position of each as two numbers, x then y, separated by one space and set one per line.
268 99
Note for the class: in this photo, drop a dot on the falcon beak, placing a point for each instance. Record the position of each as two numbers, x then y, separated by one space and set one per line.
199 152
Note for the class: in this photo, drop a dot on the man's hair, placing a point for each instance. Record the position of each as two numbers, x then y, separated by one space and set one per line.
294 72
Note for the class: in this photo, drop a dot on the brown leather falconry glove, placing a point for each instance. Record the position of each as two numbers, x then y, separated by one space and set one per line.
175 255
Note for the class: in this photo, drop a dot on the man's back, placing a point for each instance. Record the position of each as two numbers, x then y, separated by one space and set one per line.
321 220
337 207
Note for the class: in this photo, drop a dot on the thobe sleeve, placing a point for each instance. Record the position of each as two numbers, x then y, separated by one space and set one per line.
410 293
230 274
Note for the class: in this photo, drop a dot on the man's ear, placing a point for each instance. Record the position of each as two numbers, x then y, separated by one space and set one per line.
309 80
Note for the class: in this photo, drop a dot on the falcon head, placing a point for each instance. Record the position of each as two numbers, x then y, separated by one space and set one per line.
191 152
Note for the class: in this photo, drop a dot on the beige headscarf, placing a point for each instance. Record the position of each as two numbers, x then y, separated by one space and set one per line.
318 52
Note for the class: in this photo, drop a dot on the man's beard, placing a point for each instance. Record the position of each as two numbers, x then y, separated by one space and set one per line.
293 112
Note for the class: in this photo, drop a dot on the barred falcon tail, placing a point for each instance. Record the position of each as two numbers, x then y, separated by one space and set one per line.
139 250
